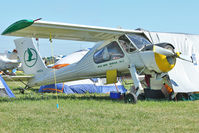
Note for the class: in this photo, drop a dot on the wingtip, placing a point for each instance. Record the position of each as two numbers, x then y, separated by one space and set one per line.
21 24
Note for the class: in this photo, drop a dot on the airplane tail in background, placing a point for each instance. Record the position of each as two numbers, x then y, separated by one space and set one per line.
29 56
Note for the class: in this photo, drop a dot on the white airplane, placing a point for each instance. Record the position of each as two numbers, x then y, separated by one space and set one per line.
70 59
8 61
118 52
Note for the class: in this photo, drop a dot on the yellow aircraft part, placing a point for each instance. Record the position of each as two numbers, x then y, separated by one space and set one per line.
111 76
178 54
163 63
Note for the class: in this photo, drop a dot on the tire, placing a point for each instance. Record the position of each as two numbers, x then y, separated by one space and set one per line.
130 98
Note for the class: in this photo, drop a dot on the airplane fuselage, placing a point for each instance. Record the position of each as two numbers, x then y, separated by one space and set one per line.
96 63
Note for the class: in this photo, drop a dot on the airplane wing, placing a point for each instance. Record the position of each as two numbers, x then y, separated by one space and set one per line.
65 31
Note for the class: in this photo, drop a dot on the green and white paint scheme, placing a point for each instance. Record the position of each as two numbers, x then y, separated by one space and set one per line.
30 57
108 54
32 62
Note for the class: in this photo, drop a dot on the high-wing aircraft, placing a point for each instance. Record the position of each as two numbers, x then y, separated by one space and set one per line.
8 60
118 52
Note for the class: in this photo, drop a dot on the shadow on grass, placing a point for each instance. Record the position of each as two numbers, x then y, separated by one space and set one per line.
33 95
96 97
40 96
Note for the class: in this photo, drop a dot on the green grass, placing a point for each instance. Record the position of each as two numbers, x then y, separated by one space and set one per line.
34 112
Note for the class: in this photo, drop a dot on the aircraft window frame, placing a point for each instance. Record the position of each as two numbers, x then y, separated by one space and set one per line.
108 53
138 40
126 44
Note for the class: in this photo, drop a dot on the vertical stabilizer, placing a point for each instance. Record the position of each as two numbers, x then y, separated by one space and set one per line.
30 58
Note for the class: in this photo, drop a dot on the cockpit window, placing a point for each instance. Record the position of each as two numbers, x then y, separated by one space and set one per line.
126 44
111 51
138 40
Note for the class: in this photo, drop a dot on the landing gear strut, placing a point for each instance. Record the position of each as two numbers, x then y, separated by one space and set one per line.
23 89
132 96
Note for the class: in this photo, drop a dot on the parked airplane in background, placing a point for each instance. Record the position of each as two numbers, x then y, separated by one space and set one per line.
119 52
70 59
8 61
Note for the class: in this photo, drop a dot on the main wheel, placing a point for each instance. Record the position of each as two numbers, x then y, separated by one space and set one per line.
130 98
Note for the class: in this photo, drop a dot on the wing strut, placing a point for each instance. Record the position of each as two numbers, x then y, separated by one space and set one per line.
136 80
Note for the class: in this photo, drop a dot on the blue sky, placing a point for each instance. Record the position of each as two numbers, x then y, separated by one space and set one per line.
152 15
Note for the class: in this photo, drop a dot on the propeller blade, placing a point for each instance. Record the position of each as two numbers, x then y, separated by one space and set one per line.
184 57
162 51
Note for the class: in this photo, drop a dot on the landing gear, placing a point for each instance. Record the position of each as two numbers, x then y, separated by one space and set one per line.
22 90
130 98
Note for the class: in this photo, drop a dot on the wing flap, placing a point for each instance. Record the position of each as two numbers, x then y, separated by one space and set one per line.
65 31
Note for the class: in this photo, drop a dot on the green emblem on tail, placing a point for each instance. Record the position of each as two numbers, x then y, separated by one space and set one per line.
30 57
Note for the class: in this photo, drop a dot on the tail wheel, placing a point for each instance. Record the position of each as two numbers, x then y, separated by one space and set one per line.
130 98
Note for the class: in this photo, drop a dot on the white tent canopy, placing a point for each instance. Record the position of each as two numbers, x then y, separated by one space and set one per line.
184 77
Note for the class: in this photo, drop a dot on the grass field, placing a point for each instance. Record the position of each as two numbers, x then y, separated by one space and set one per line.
34 112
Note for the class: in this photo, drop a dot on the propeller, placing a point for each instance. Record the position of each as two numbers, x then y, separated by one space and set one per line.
183 57
168 53
163 51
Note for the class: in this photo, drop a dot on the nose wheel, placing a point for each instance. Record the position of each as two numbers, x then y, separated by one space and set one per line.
130 98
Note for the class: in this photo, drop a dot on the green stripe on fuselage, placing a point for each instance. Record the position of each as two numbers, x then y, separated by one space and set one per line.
21 24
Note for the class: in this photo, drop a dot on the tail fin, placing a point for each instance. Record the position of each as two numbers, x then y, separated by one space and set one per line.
29 56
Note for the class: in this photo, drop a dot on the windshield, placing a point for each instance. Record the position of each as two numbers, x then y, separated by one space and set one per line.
138 40
126 44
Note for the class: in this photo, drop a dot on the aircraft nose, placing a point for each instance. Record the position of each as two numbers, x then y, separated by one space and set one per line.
165 59
164 63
